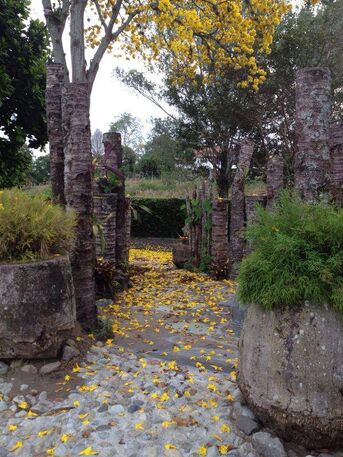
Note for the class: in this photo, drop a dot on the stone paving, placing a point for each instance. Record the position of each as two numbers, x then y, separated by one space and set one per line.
163 386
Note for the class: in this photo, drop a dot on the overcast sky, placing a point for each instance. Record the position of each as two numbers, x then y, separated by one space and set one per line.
109 96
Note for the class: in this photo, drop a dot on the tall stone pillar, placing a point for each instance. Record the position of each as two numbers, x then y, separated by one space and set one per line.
336 160
237 211
313 107
220 243
251 204
105 208
275 178
53 100
113 159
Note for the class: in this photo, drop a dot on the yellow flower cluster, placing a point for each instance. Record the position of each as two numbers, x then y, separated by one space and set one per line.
207 36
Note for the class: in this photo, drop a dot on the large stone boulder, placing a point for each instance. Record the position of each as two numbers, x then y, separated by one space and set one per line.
291 372
37 308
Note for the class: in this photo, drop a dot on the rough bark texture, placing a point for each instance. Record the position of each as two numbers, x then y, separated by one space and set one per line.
37 308
275 178
237 213
251 204
336 156
105 208
313 107
78 191
220 244
291 372
113 158
127 227
53 98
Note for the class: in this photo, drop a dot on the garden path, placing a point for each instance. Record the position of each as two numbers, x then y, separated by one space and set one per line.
163 386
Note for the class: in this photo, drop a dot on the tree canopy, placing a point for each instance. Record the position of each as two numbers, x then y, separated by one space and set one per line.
23 53
216 113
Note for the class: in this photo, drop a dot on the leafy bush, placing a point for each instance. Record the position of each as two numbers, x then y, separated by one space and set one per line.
31 228
165 220
298 256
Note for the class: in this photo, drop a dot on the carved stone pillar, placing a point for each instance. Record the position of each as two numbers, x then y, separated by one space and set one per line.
251 203
313 107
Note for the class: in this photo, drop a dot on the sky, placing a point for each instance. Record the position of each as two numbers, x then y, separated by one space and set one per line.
109 96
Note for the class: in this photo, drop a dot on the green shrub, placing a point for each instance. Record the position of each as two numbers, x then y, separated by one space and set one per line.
298 256
165 220
31 228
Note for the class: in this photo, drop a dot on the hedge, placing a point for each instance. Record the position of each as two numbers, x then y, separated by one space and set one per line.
166 220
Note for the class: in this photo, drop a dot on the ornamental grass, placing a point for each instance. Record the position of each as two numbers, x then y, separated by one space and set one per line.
298 256
33 229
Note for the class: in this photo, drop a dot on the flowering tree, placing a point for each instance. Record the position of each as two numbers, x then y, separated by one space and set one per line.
193 34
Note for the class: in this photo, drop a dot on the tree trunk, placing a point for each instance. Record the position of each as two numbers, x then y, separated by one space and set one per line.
236 247
77 43
53 98
275 178
336 153
313 107
78 192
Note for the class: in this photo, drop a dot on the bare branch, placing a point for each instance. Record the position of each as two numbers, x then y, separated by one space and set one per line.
106 40
101 17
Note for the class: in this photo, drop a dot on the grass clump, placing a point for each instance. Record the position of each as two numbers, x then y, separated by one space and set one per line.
298 256
33 229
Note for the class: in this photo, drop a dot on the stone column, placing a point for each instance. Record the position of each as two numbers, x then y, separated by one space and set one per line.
251 203
336 159
313 107
237 211
105 208
275 178
128 228
53 100
113 158
220 244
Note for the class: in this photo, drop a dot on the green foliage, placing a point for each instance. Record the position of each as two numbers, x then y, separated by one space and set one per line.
298 256
129 161
15 162
33 229
149 166
131 130
171 187
165 220
104 330
40 170
23 54
108 183
195 212
43 190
